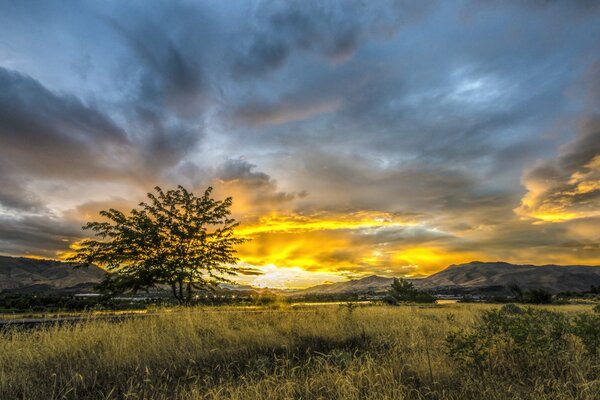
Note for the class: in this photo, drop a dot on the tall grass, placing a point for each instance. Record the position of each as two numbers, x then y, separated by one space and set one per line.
325 352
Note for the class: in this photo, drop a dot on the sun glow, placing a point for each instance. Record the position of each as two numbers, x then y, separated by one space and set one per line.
278 223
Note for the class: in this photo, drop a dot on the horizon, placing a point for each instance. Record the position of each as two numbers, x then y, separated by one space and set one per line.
388 139
283 286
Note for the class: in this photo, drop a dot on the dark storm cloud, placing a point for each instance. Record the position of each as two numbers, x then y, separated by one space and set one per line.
427 109
331 29
421 188
171 91
13 194
171 76
462 109
52 135
37 235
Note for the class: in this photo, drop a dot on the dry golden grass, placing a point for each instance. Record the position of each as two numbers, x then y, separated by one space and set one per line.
324 352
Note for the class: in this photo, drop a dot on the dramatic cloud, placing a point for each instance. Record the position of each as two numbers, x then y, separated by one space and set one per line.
567 187
390 137
333 30
46 134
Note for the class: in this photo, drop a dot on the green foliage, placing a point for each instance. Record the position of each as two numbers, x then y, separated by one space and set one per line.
512 342
265 298
302 352
538 296
587 327
516 291
533 296
522 343
404 291
176 239
349 306
511 308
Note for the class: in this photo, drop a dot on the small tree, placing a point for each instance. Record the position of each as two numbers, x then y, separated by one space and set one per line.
538 296
516 291
176 239
404 291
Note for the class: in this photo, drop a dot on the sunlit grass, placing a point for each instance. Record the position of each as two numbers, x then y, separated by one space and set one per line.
317 352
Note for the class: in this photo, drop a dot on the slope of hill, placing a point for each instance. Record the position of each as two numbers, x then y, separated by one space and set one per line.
477 275
480 276
373 284
31 275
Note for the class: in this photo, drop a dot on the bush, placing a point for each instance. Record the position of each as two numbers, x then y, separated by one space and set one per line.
514 343
404 291
538 296
511 308
587 327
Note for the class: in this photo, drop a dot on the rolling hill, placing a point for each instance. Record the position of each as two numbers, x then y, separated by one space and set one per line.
478 276
19 274
370 284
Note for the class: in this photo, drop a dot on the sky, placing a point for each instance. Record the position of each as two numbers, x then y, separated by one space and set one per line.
355 137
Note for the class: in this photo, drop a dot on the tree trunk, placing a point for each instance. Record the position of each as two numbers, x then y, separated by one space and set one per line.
181 296
177 297
189 293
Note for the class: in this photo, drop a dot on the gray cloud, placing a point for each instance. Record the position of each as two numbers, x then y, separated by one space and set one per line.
13 194
429 109
37 235
332 30
47 134
256 189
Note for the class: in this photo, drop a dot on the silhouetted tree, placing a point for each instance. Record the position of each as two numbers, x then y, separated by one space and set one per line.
404 291
516 291
538 296
176 239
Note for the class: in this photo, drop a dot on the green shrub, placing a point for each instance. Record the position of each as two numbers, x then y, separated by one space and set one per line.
512 308
404 291
538 296
513 342
586 326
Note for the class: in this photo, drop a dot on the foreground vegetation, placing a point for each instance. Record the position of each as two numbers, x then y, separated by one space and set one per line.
462 351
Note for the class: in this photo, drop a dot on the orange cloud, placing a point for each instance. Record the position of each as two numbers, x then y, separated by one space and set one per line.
568 187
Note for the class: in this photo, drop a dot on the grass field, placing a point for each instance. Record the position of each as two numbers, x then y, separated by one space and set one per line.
302 352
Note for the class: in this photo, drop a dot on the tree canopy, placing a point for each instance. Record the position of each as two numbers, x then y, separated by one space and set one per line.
402 290
175 239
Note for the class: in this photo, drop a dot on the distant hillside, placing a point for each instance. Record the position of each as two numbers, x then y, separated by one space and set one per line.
30 275
478 276
373 284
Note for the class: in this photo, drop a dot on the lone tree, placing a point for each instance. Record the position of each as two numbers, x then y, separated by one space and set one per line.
402 290
175 239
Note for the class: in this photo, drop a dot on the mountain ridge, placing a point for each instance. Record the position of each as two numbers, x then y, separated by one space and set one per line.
22 274
34 275
478 275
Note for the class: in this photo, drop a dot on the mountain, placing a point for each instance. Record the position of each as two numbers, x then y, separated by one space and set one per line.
19 274
481 275
370 284
478 276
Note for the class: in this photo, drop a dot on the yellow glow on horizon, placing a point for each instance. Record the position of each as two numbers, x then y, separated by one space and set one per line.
278 223
295 250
